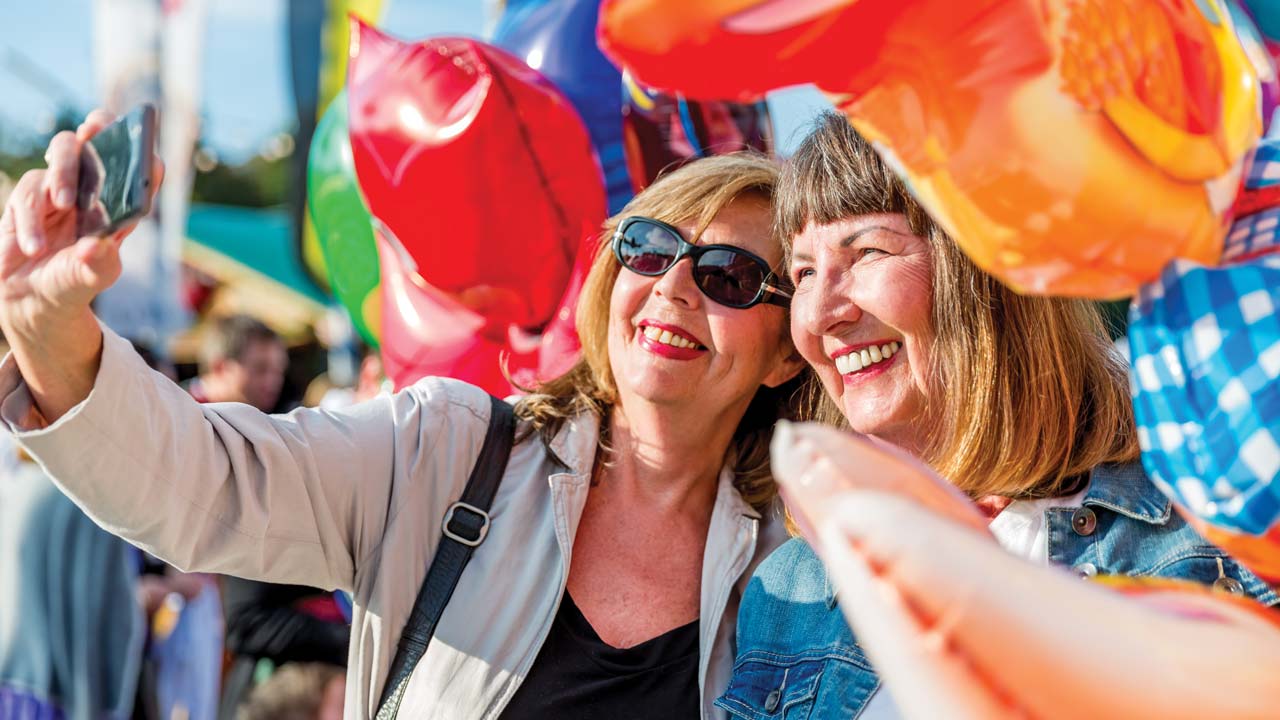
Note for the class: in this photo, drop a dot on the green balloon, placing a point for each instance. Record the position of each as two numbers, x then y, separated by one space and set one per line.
343 225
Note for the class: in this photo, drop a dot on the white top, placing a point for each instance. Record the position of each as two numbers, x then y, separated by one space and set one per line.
353 499
1021 528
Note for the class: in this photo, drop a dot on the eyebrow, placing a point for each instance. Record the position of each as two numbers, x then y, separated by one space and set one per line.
846 242
863 231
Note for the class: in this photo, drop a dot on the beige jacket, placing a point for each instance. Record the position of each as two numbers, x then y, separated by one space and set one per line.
354 500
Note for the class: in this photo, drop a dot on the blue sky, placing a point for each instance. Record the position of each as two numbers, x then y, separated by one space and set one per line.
246 86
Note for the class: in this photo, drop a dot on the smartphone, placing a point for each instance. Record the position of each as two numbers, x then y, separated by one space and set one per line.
115 173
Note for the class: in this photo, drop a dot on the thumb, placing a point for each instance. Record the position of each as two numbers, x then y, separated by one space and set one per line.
99 263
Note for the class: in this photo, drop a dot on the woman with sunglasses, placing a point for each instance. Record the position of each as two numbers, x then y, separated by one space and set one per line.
1021 403
634 504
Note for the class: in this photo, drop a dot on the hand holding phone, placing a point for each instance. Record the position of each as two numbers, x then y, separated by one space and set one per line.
115 174
51 271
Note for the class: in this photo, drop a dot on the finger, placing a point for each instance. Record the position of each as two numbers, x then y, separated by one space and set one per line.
63 158
27 204
813 461
157 175
11 256
1037 629
925 676
94 122
99 264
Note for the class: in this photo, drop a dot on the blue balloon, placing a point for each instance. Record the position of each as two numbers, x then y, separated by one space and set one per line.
558 39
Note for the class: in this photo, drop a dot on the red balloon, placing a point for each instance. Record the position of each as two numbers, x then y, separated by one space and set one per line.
482 172
429 332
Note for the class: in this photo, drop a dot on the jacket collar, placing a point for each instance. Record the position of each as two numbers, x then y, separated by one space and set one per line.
574 446
1126 489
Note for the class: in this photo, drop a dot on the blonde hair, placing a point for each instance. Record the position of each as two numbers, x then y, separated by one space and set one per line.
1026 394
695 193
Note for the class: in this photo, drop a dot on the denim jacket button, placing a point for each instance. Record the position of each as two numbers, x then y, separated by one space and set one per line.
1084 521
1228 585
1087 570
771 702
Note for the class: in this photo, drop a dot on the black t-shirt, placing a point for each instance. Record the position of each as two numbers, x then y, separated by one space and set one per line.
576 676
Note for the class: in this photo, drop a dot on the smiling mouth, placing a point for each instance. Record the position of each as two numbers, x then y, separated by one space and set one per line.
666 337
867 357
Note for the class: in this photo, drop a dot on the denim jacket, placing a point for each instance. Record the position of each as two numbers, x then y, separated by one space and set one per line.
797 657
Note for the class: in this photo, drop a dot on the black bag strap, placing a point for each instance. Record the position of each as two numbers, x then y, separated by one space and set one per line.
465 526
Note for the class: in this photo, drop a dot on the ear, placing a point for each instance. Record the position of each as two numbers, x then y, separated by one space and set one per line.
218 366
787 368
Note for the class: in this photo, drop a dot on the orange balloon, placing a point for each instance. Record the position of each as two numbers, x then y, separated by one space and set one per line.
1071 147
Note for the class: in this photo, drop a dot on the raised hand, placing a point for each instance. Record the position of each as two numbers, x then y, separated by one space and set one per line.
829 458
49 276
957 627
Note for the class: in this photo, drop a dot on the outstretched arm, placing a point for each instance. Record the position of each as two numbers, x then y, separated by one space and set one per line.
958 627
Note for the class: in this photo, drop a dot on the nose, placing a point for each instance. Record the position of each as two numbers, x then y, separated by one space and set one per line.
827 305
677 285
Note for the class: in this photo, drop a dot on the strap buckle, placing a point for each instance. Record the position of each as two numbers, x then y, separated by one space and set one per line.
468 528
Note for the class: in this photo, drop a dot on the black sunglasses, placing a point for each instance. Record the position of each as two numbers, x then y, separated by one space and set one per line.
727 274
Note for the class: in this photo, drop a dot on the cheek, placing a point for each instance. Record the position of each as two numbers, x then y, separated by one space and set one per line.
900 296
620 310
807 344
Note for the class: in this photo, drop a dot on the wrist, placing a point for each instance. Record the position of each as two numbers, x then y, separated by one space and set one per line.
58 357
67 333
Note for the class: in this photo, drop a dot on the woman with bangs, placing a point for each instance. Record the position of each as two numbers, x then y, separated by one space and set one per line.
635 500
1019 402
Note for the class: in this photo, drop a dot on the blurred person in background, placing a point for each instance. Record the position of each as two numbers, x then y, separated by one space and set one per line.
71 627
242 360
300 691
74 611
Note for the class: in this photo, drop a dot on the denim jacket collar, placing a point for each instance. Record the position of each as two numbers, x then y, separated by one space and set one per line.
1125 489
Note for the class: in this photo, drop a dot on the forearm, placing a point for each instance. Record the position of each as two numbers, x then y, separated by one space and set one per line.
58 361
217 488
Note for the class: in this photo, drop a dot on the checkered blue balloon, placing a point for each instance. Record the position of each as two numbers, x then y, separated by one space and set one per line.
1205 377
1204 344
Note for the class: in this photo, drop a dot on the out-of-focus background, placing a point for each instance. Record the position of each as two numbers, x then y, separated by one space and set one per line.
245 81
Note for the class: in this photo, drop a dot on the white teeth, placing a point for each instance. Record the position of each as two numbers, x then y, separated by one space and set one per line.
666 337
855 361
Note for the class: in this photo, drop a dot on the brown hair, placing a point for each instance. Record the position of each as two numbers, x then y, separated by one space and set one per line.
229 337
1027 393
696 192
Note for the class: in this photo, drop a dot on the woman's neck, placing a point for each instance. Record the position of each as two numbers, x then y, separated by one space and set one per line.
667 458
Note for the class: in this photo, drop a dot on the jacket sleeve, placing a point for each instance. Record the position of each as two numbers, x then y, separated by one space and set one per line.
297 499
